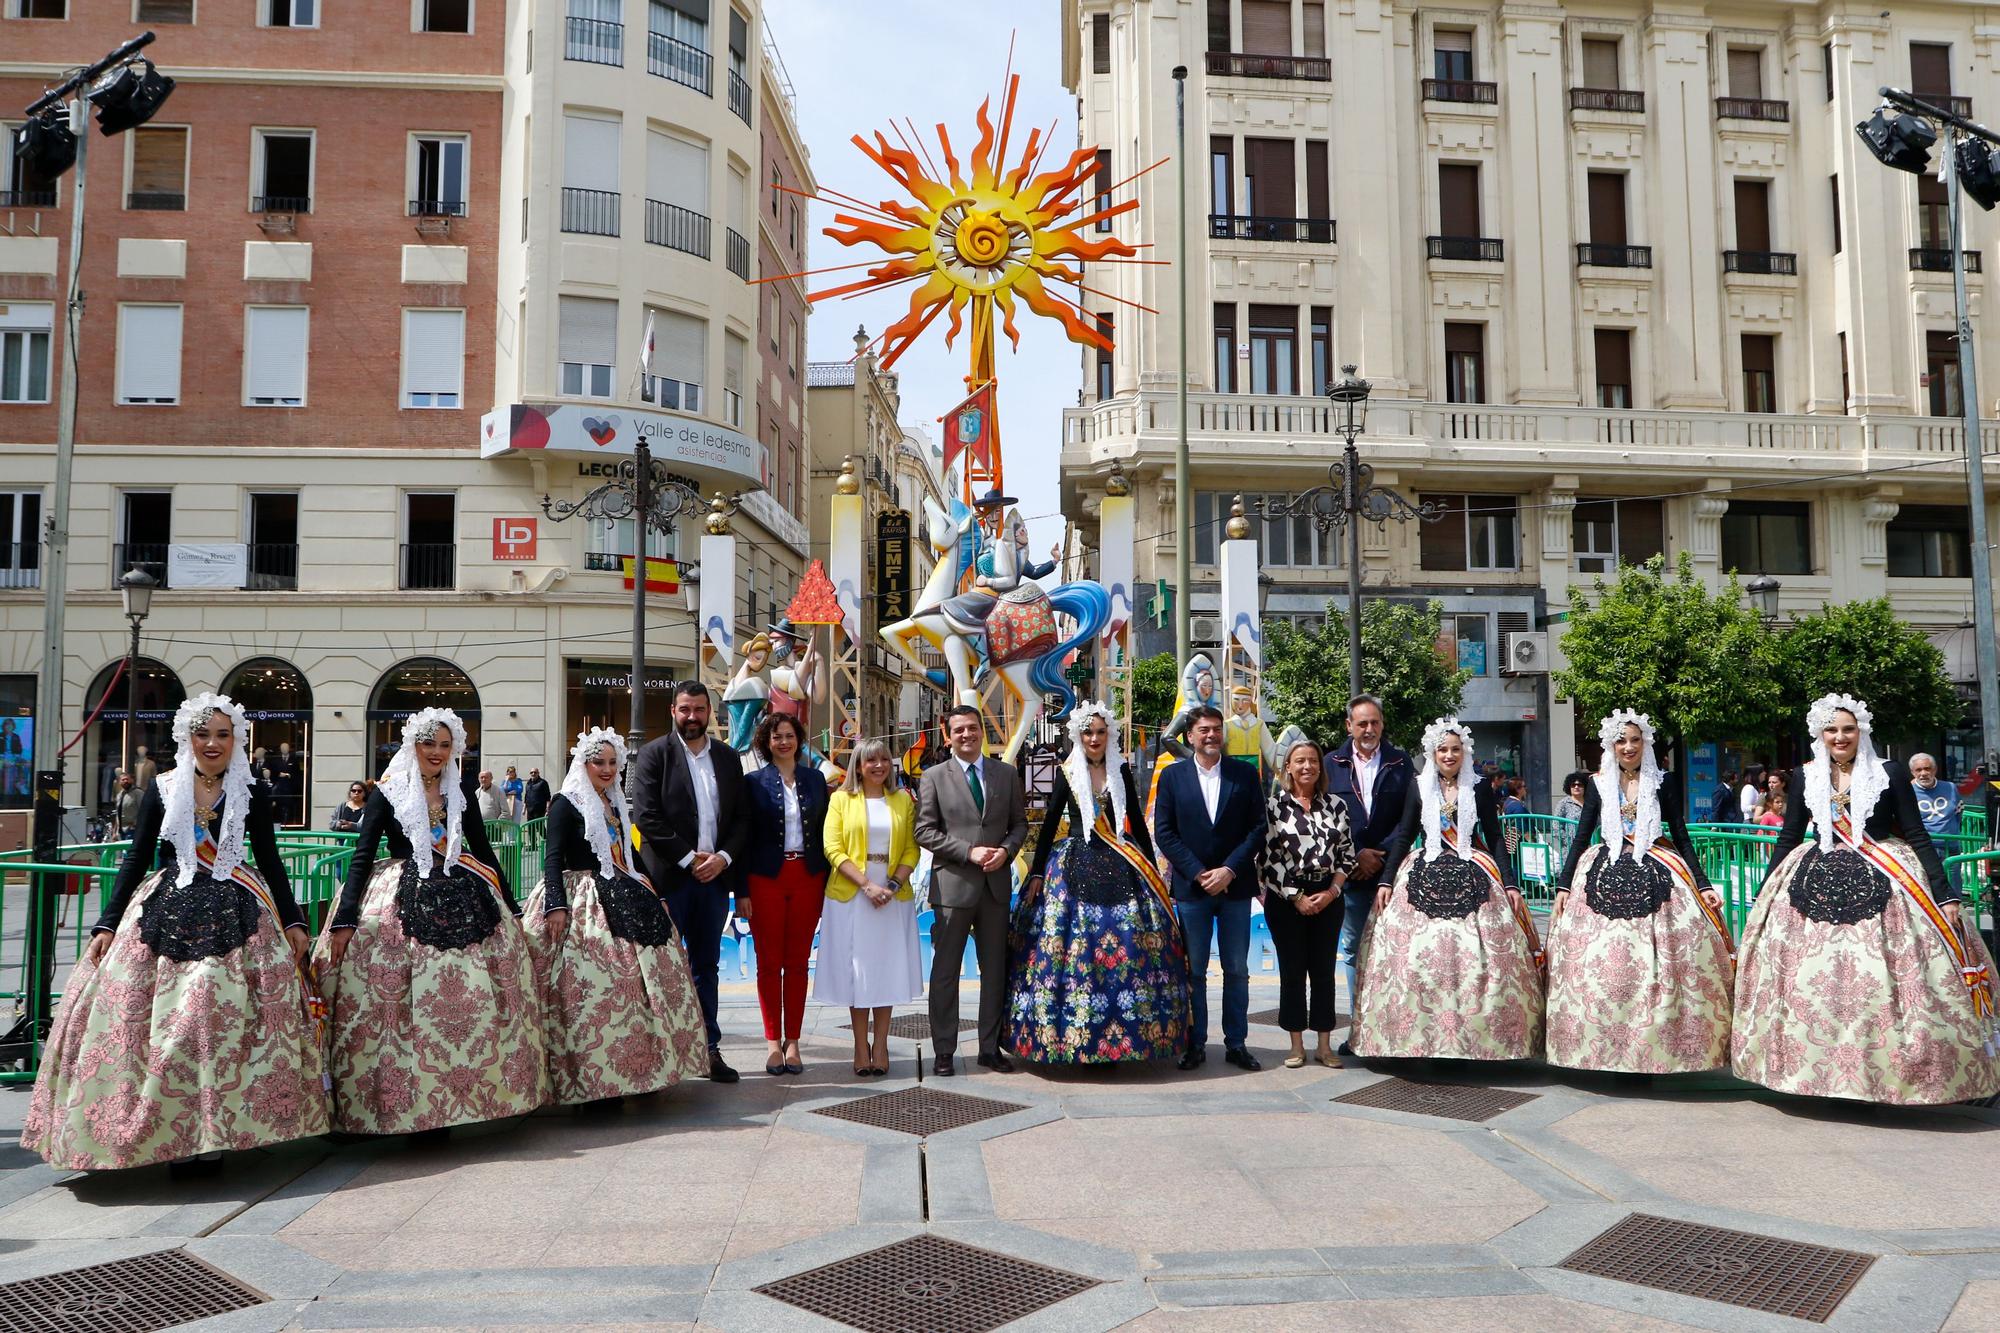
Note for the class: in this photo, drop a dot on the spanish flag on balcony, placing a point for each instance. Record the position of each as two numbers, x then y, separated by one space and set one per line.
661 575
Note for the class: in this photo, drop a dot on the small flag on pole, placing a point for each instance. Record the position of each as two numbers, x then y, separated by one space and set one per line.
971 425
646 347
661 575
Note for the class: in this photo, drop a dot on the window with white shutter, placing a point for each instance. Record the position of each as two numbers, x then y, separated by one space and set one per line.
734 352
680 358
433 358
24 350
677 172
149 354
274 355
590 153
586 345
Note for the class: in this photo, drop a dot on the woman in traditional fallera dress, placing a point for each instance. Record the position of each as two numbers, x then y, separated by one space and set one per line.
1857 977
188 1027
1099 973
437 1019
1639 956
622 1017
1450 964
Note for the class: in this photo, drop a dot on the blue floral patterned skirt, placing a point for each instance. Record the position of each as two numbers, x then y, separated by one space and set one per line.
1098 971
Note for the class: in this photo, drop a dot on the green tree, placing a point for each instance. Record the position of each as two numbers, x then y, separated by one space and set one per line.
1698 663
1305 671
1861 649
1154 681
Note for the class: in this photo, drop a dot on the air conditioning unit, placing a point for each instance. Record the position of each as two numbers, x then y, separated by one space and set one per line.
1527 654
1205 629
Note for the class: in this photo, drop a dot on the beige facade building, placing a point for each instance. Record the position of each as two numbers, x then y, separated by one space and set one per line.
1623 277
382 374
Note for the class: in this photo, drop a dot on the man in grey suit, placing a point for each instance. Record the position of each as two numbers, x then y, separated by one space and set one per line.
972 818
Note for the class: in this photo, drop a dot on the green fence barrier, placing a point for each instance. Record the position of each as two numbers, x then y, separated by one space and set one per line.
1972 823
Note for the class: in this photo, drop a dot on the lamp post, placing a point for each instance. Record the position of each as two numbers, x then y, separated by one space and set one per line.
1183 480
1349 498
643 492
1904 142
135 590
1763 594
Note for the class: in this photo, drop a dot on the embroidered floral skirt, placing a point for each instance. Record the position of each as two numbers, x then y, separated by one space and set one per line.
1633 990
1462 985
622 1016
1871 1009
1097 970
425 1037
152 1060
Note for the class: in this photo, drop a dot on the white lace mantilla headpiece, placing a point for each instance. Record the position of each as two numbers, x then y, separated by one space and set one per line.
1865 785
177 788
1610 795
582 793
1432 790
1077 768
403 785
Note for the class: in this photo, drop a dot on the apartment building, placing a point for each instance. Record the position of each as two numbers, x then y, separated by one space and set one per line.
1624 280
373 283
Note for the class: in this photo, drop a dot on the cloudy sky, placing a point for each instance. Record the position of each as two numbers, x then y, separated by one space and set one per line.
855 67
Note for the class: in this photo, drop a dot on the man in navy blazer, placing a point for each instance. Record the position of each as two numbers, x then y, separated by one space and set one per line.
1209 823
1371 777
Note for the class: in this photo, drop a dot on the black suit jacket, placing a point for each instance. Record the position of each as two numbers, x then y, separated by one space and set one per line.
1192 842
1392 783
669 822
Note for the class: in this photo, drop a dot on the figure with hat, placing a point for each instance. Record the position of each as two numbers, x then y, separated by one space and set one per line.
794 672
1244 735
998 569
749 694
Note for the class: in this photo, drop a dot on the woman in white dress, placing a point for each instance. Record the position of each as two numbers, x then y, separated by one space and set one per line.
868 957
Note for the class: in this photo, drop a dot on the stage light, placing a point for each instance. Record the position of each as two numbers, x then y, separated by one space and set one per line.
1978 172
46 145
129 96
1903 142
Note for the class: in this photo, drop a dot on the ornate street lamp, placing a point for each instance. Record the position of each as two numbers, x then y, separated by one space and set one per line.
135 590
642 491
1349 498
1763 594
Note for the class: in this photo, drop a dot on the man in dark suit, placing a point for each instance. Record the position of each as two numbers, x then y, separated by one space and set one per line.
972 817
1370 777
535 795
693 826
1209 823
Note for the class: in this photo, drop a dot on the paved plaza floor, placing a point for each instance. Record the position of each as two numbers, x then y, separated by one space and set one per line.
1205 1202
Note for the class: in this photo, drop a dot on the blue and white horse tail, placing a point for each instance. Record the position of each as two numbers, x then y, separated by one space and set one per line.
1090 606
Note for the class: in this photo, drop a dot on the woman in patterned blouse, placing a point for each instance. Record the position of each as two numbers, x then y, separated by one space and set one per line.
1308 854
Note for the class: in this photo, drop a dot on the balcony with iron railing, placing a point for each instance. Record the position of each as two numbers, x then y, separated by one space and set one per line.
429 566
736 252
149 556
1251 227
1242 65
1607 99
1958 106
676 228
281 203
28 198
590 212
595 41
437 208
156 201
1931 259
1470 91
20 565
274 566
1592 255
1474 249
739 96
689 66
1770 263
1752 108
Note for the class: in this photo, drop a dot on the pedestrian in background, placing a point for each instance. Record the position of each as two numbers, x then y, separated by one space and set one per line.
785 864
1751 797
347 815
1571 805
492 803
510 789
1302 877
1722 805
126 807
535 795
1772 815
1937 801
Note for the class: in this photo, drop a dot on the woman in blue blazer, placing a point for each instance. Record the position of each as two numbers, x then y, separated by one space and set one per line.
786 866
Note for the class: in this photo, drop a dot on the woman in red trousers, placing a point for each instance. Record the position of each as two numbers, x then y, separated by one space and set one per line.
786 866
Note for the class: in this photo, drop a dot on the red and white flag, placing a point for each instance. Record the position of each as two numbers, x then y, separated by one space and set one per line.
971 425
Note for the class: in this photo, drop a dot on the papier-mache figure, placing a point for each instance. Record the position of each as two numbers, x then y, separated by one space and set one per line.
1244 735
749 694
998 569
1198 688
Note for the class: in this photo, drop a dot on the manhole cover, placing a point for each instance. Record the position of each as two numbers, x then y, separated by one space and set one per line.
920 1110
153 1291
1269 1018
916 1027
1450 1100
1735 1267
927 1284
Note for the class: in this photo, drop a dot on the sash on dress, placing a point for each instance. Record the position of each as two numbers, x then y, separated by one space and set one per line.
1663 852
316 1007
1134 858
1978 978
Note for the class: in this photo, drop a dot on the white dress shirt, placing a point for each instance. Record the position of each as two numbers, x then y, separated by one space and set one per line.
965 770
707 797
1365 769
795 831
1210 778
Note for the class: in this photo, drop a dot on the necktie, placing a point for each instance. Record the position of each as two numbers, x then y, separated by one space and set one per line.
978 790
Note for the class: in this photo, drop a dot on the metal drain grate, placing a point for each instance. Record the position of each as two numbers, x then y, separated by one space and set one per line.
920 1110
915 1027
927 1284
1269 1018
1450 1100
152 1291
1734 1267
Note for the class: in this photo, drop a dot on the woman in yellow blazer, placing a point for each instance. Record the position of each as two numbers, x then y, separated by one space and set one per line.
868 957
